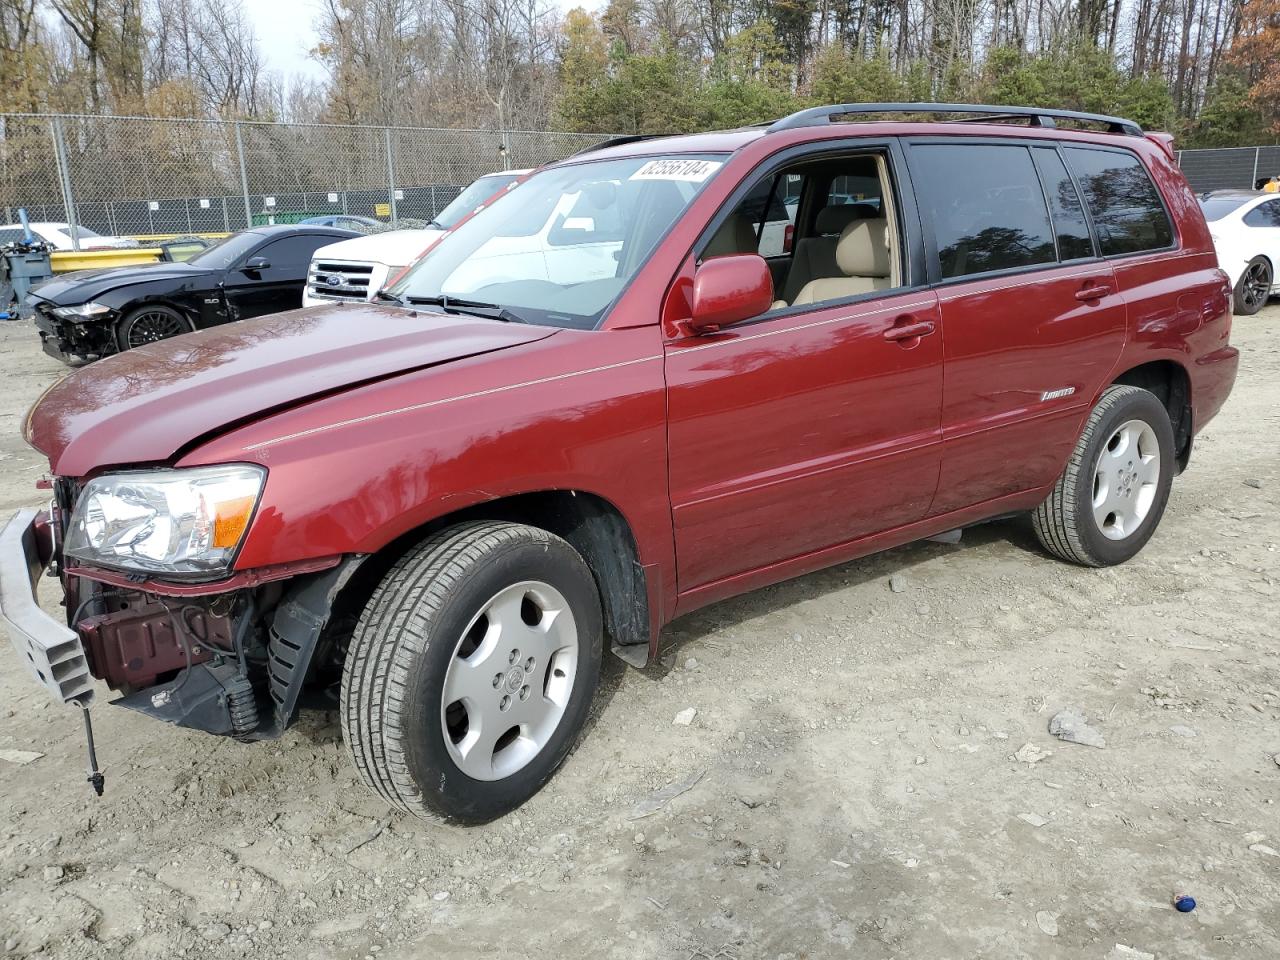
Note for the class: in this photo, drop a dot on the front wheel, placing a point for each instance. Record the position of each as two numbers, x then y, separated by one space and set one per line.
1253 287
150 324
471 671
1109 500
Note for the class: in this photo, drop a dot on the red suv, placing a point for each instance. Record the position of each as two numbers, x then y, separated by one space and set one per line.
655 375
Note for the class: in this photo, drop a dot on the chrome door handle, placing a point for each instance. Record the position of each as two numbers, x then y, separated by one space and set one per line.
1093 293
910 331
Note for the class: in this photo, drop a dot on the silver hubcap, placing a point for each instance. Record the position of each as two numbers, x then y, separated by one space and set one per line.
509 681
1125 479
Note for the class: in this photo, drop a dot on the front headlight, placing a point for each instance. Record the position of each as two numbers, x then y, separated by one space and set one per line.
184 523
81 311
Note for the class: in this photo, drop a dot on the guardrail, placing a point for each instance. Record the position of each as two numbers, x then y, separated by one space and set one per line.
161 237
64 261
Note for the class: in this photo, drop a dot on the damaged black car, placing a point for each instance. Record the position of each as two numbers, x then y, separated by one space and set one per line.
90 314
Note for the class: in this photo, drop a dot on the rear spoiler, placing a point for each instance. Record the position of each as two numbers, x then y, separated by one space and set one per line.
1164 141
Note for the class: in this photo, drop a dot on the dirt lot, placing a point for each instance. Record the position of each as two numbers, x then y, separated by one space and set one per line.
858 792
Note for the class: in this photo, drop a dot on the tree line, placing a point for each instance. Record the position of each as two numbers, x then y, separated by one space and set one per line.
1207 69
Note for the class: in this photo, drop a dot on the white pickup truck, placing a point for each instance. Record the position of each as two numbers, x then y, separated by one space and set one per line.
358 268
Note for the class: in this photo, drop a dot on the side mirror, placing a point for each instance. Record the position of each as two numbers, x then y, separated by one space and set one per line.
730 289
256 263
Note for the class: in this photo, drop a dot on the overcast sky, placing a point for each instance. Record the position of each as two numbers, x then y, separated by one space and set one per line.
286 31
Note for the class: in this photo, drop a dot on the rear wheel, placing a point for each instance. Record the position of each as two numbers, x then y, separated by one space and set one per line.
150 324
471 671
1253 287
1110 498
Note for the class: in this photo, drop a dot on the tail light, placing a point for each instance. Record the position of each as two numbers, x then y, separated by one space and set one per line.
788 237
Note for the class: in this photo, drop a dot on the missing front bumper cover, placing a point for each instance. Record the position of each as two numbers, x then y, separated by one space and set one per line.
51 651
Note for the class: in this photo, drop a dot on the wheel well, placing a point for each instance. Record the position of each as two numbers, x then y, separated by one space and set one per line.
592 525
1171 385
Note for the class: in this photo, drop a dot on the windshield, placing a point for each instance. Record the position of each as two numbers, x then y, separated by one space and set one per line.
561 246
1215 208
81 233
227 251
470 198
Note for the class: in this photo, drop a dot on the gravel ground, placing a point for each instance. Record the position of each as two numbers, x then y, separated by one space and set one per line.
858 772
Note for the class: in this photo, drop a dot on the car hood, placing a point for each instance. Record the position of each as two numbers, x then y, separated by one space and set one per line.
394 248
81 286
147 404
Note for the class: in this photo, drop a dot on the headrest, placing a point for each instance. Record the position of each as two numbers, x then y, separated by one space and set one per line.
863 249
736 235
835 218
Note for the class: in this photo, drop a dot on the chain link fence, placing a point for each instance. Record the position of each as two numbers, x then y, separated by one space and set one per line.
136 176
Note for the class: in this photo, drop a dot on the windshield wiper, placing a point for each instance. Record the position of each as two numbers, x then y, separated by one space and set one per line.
386 297
477 308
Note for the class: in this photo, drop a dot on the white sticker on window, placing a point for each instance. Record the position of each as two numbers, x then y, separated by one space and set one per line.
686 171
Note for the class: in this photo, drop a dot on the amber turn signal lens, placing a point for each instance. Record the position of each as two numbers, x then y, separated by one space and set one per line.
230 520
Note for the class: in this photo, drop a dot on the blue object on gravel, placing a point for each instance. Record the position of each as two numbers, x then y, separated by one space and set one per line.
1184 904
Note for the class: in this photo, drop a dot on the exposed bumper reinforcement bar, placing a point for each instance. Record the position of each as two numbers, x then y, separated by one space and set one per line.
51 651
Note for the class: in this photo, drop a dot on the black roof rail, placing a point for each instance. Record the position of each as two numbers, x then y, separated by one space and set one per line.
1035 116
617 142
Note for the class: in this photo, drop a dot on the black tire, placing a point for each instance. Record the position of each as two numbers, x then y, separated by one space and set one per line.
1253 288
1065 522
149 324
410 631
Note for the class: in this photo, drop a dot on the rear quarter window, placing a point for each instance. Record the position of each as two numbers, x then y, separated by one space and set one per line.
1264 215
1128 215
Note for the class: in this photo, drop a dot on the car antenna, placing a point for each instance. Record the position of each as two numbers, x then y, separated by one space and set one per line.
96 777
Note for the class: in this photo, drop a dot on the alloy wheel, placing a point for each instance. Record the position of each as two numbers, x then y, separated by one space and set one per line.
152 326
1125 479
1257 285
508 684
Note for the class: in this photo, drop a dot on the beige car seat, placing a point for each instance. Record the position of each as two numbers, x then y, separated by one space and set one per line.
816 256
862 255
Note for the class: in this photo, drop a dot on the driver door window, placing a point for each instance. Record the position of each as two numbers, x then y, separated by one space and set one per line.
846 246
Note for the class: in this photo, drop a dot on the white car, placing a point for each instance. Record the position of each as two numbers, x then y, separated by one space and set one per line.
1245 225
358 268
58 236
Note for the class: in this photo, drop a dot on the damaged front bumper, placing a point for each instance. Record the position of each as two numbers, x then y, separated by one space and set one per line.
229 659
51 651
69 339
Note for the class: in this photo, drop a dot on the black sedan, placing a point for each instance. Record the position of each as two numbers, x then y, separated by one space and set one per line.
93 313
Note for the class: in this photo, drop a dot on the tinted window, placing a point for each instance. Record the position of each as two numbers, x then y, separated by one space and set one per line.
1264 215
1069 224
986 205
1127 212
289 253
1215 208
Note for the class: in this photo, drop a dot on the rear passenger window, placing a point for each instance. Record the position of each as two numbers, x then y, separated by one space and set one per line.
1069 224
1127 213
987 208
